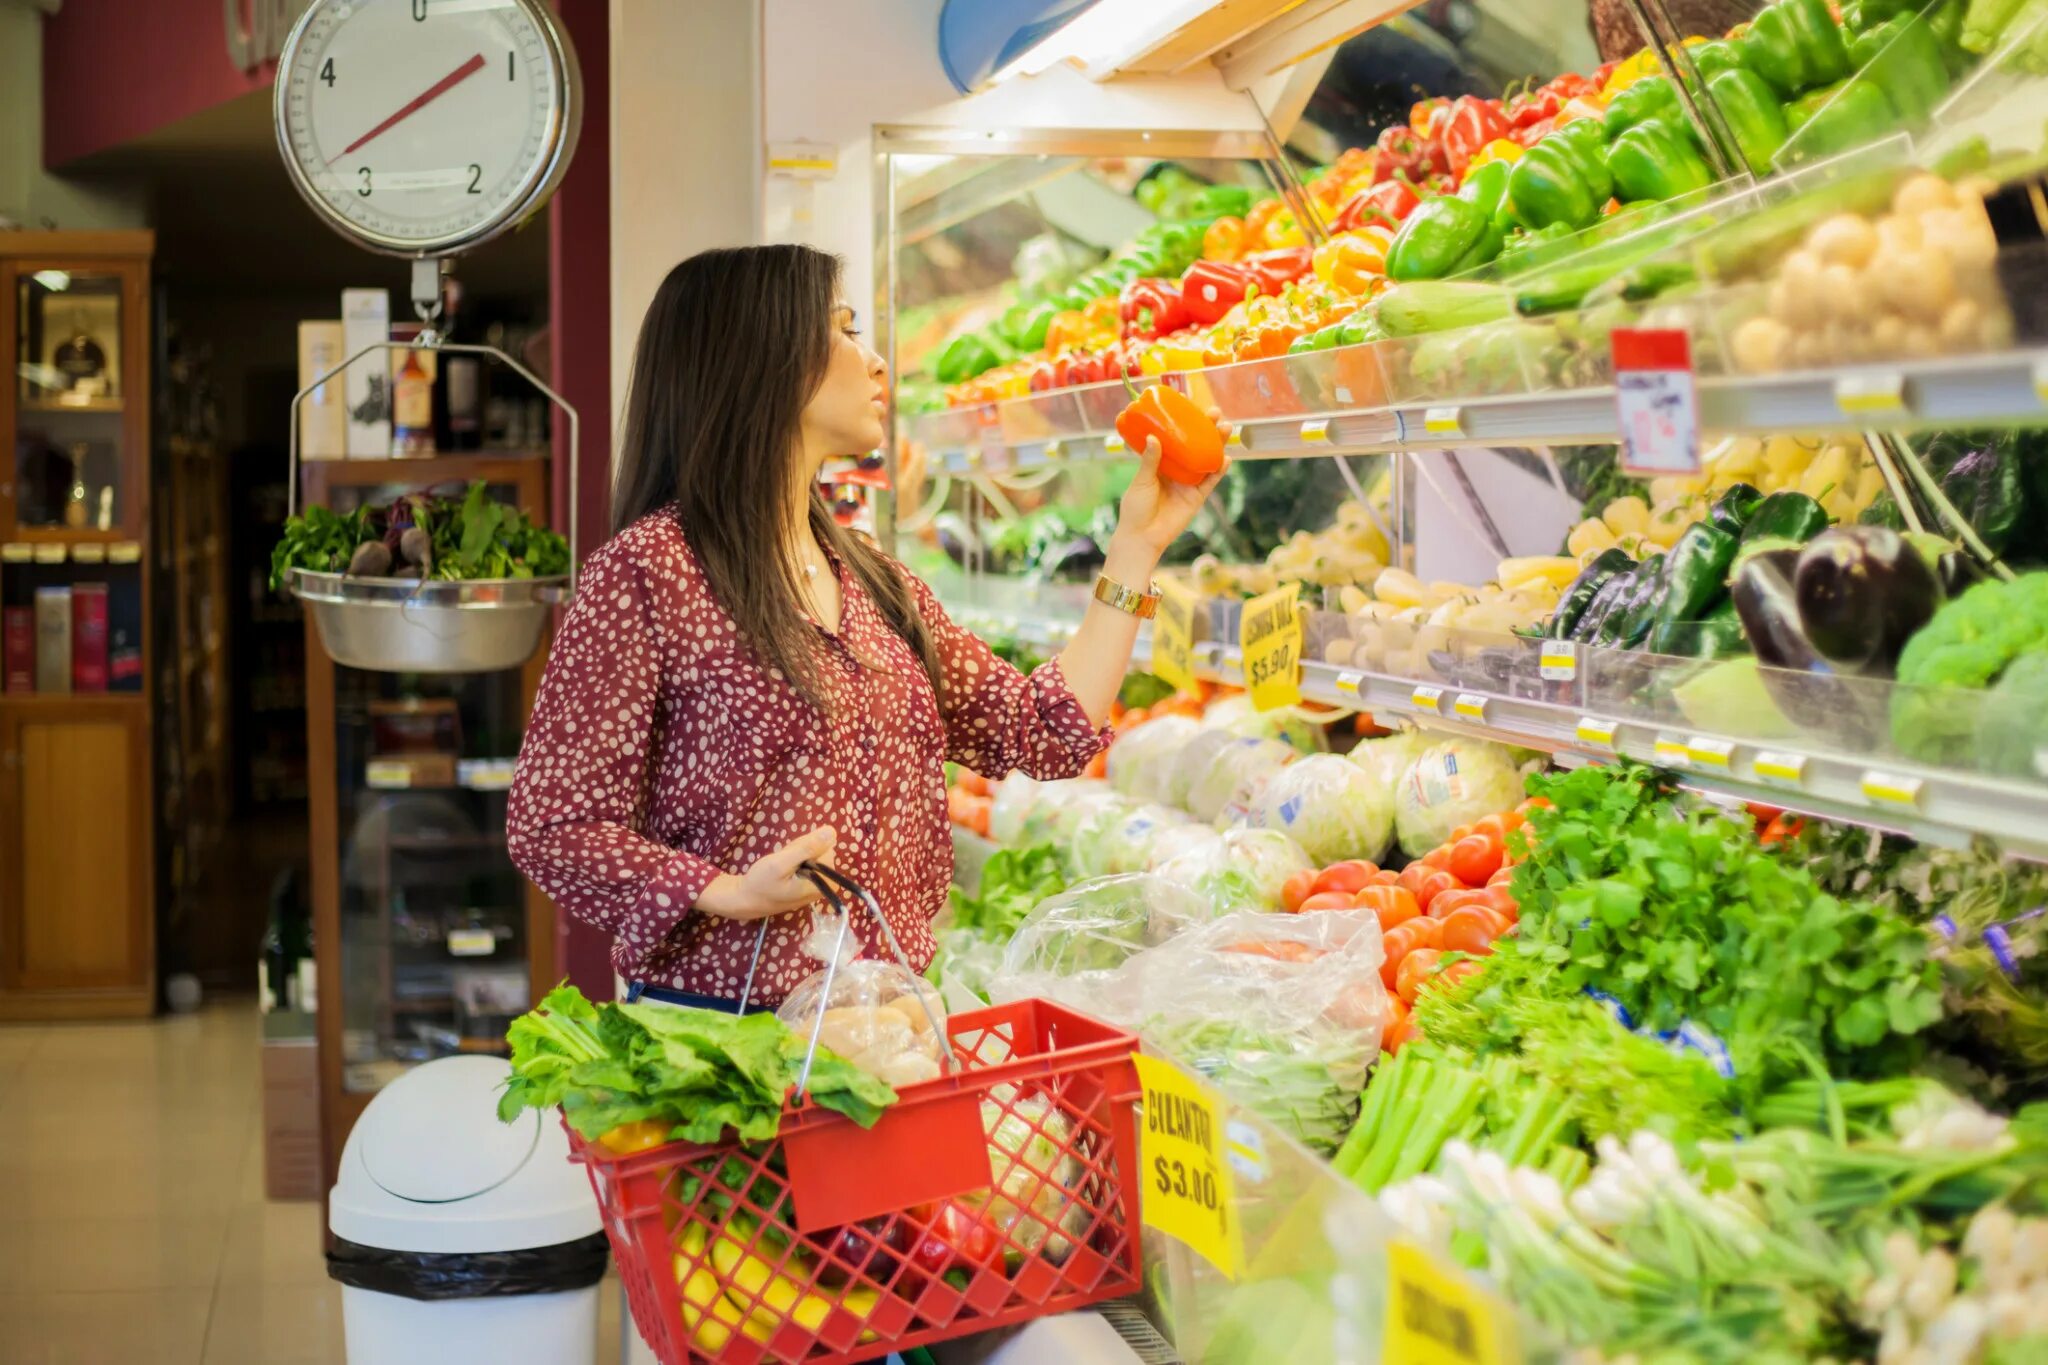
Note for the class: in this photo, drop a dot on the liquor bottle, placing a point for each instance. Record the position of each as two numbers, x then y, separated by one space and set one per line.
412 408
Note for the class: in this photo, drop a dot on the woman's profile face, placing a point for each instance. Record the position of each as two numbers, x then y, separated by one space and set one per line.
845 415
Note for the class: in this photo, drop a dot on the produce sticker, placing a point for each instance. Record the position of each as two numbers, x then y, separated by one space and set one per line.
1270 636
1173 636
1187 1179
1435 1316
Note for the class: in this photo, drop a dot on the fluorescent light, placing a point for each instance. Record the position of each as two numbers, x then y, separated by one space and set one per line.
1105 36
56 281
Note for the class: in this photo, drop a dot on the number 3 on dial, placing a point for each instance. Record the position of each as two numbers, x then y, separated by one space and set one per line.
398 130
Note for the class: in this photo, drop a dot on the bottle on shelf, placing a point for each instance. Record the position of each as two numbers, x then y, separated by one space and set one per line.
412 408
286 960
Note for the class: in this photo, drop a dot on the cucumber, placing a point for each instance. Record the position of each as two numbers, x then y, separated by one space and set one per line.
1440 305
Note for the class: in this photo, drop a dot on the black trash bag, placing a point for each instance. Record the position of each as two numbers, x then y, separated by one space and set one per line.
470 1275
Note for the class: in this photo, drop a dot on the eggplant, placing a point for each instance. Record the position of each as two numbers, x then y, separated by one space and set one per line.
1861 592
1800 680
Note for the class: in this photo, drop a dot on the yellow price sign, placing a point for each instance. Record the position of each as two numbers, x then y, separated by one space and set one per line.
1186 1181
1173 636
1435 1316
1270 638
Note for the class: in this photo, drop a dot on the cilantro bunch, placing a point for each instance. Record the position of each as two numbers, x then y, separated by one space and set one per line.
701 1070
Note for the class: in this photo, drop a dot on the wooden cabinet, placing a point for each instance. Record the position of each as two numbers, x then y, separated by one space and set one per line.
76 931
77 788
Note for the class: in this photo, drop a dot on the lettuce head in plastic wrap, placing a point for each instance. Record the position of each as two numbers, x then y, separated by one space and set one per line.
1192 760
1017 799
1451 784
1089 930
1389 757
1234 776
1117 840
1141 760
1235 714
1332 807
1245 869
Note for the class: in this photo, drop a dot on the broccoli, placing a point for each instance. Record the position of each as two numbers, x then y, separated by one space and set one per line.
1968 644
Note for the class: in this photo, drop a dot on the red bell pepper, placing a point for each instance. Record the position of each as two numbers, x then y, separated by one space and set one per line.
1210 288
1041 377
1535 132
1423 116
1384 203
1404 154
1470 124
957 1238
1534 107
1273 271
1151 307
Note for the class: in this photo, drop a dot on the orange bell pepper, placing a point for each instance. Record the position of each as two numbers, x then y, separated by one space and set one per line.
1224 240
1255 222
1101 314
1190 445
1067 330
1500 149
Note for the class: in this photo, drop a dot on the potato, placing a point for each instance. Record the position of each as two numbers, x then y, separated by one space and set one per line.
1888 337
1801 298
1896 234
1920 284
1759 345
1847 300
1962 327
1921 193
1845 239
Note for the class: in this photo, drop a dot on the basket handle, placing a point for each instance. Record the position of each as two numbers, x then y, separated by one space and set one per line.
830 882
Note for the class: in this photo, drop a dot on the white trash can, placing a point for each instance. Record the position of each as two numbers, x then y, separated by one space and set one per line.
461 1240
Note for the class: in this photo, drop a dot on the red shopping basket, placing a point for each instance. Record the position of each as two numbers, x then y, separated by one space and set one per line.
1002 1192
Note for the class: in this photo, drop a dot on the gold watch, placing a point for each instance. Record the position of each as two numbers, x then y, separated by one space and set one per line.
1130 601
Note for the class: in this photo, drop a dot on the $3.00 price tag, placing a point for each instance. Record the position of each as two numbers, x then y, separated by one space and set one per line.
1270 637
1656 407
1187 1189
1173 636
1436 1316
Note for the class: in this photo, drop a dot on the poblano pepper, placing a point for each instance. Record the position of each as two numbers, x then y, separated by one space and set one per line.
1754 112
1589 628
1572 605
1785 516
1733 509
1630 624
1563 179
1654 160
1904 57
1695 572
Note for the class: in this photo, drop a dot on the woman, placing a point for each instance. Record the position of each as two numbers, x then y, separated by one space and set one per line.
742 685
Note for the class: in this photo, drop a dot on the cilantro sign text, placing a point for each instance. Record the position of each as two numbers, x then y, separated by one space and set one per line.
256 29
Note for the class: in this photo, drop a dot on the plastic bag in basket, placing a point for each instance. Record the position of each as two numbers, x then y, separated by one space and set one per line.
872 1014
1089 930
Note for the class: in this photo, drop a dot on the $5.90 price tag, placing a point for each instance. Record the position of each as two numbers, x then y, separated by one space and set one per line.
1187 1189
1436 1316
1270 636
1656 407
1173 636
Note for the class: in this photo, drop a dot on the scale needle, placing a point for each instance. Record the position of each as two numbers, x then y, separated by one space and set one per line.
417 103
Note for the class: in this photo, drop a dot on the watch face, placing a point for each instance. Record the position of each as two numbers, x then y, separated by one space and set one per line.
420 126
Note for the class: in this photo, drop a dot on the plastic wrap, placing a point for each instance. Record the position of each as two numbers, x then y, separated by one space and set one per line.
966 961
1060 816
872 1013
1141 760
1089 931
1391 756
1017 798
1181 841
1451 784
1243 869
1232 777
1334 808
1119 840
1193 760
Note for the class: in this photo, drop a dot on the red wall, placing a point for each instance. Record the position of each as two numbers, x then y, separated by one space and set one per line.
114 70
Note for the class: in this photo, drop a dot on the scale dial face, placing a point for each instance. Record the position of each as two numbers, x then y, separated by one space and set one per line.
422 127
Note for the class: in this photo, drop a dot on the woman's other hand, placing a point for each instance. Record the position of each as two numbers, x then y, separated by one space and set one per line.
772 886
1155 510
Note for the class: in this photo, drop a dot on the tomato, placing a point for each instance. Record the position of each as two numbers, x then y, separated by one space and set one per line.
1297 889
955 1235
1501 825
1349 877
1456 972
1328 900
1416 968
1391 904
973 783
1438 857
1534 803
1280 950
1476 857
1783 827
1098 766
1502 877
1357 1006
1761 813
1471 930
1403 939
1457 834
1426 883
1384 877
1397 1029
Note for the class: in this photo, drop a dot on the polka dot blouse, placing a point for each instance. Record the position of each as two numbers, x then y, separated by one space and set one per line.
661 752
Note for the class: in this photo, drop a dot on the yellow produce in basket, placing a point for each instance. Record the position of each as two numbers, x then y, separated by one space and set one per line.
1625 516
1556 569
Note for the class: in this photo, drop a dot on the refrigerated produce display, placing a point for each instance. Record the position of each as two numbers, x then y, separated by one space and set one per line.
1613 929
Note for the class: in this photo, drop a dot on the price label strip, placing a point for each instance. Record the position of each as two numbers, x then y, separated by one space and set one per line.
1430 699
386 775
1879 391
1173 636
1671 753
1469 706
1443 421
1889 789
1656 405
1349 683
1187 1183
1559 661
1270 637
1316 432
1710 753
1435 1316
1785 769
1597 730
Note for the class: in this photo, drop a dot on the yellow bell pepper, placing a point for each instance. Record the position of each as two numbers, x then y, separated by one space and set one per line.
1224 240
1353 262
1066 330
1284 230
1500 149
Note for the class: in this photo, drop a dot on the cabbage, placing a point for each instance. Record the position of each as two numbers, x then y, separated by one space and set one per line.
1089 929
1234 774
1017 797
1391 756
1332 807
1180 840
1065 820
1037 1178
1235 714
1192 761
1244 869
1453 784
1129 847
1142 756
1095 832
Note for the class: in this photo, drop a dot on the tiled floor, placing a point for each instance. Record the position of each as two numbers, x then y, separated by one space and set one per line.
133 1227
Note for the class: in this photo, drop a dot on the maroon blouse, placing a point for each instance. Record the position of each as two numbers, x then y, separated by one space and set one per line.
662 752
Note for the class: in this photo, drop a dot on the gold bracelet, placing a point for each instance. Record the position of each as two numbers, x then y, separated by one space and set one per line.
1130 601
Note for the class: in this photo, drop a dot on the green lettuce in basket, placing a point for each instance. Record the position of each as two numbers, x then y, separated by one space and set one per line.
702 1071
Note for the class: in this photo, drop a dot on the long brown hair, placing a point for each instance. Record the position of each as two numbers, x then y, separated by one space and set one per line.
731 350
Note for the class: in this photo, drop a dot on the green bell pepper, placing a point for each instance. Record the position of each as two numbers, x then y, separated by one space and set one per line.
1860 16
1696 571
970 354
1322 339
1711 59
1657 161
1562 179
1651 97
1837 118
1521 247
1024 326
1795 45
1785 516
1439 238
1754 114
1903 56
1211 202
1733 509
1487 187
